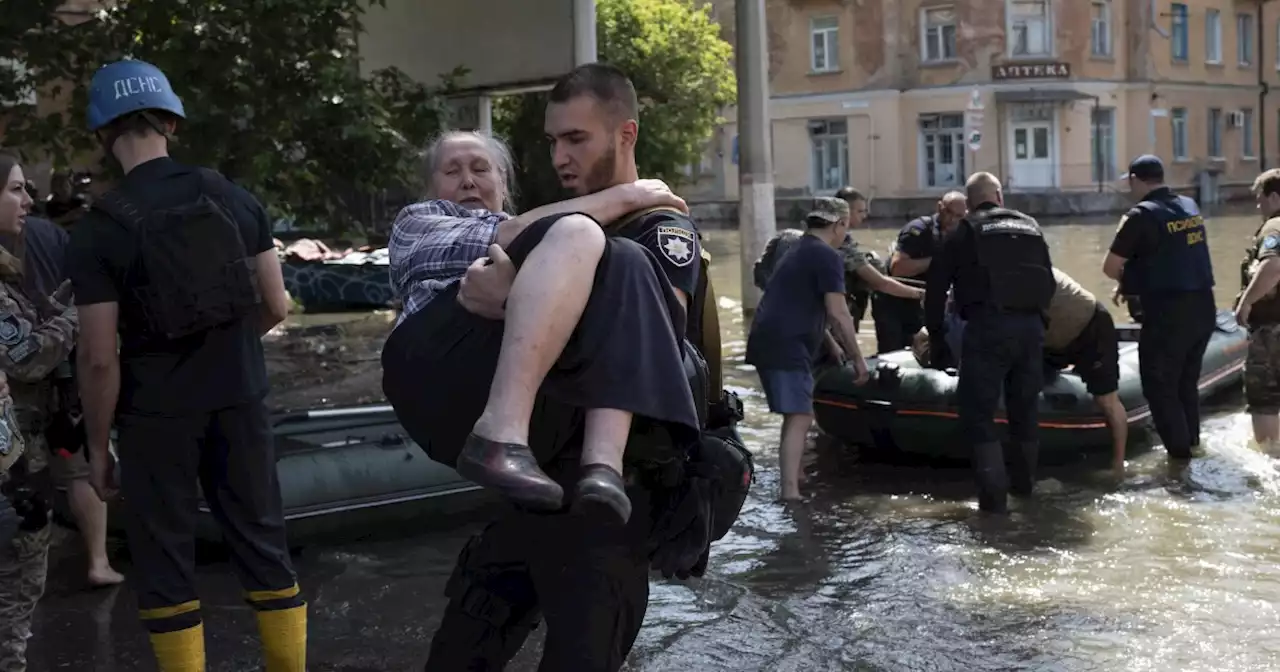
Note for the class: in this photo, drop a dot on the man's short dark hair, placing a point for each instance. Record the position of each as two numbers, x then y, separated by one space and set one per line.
850 195
1267 183
607 84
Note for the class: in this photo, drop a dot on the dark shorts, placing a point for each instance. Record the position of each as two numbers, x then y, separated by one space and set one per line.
626 353
67 468
1262 370
1094 355
788 391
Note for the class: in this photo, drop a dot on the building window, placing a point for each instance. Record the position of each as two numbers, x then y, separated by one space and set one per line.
1178 119
1215 133
1029 28
1212 36
825 32
939 37
1100 38
942 143
830 139
1103 135
1244 38
1178 32
1246 133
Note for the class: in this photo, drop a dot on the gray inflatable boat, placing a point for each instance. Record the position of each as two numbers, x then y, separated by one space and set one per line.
353 469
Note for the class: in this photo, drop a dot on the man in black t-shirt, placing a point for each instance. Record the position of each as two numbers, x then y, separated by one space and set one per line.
188 408
898 320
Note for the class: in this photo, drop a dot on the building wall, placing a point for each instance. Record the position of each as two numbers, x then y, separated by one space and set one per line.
881 85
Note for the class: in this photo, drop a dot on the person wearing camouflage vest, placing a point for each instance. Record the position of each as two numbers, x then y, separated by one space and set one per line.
1258 309
36 336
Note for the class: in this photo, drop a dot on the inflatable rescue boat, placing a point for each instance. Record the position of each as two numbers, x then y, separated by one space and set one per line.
907 408
345 469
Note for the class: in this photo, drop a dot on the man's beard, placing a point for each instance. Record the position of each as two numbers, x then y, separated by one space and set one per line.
601 174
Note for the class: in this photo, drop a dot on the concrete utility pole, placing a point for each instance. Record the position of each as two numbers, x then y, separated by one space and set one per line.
756 220
584 32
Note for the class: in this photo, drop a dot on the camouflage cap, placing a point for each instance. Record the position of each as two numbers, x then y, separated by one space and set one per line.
829 210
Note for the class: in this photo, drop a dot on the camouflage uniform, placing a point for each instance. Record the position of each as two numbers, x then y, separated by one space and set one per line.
1262 363
856 292
35 337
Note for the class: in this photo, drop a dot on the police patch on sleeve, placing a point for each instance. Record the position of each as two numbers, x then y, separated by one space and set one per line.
676 244
12 330
1271 242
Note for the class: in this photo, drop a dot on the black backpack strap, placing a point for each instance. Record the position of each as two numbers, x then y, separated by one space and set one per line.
121 210
212 183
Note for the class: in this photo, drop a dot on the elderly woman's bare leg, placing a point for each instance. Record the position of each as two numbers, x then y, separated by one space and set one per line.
546 302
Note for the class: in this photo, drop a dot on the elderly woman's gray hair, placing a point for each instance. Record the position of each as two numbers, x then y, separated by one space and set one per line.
499 156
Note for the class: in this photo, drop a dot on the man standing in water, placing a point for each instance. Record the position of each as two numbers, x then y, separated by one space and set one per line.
1161 254
1080 333
999 264
589 581
804 294
1259 310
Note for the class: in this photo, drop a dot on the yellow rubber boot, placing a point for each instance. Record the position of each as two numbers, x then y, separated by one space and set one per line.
284 639
180 651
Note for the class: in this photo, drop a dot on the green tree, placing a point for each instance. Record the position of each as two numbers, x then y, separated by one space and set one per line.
683 73
272 90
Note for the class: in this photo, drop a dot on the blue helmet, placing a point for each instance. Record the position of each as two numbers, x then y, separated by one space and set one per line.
125 87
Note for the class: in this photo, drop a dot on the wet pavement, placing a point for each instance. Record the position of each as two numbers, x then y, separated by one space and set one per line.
886 567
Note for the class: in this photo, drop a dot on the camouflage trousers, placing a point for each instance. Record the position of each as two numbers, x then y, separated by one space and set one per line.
22 573
1262 370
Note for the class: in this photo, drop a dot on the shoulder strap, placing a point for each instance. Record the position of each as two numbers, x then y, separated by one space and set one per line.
120 209
710 336
1146 206
618 224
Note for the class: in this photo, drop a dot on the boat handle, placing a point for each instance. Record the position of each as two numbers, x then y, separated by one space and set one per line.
391 440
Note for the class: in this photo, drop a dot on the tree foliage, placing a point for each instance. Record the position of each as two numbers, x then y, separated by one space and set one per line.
272 90
683 73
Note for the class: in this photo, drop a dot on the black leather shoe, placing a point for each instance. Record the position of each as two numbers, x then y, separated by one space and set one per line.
510 469
602 486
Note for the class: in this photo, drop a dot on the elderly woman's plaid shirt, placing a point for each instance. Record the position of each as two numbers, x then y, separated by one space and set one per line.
432 244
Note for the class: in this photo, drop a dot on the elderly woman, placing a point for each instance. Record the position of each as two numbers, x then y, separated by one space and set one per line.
590 324
37 334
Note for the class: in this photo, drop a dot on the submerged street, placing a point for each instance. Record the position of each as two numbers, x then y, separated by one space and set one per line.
888 567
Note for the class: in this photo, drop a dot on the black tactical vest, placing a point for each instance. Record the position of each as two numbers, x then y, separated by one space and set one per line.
1011 252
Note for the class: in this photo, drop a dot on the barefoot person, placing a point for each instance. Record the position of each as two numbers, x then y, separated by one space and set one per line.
804 295
44 247
37 334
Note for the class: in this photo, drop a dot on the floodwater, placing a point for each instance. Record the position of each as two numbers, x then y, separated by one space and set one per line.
886 568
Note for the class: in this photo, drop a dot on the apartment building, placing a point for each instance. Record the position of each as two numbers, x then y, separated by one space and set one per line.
904 98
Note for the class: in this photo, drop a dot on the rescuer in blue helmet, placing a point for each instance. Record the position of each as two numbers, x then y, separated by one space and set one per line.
178 263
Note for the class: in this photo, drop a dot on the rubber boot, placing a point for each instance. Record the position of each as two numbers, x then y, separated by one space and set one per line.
284 639
1023 481
993 482
180 651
